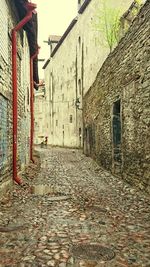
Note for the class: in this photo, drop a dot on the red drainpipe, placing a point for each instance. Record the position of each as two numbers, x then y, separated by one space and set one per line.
30 8
32 103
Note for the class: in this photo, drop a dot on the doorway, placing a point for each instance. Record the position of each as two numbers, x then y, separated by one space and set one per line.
116 128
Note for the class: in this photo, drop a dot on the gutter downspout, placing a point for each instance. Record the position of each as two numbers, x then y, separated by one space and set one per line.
32 103
30 8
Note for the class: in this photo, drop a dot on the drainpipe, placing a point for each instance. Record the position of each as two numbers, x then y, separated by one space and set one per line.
30 8
32 103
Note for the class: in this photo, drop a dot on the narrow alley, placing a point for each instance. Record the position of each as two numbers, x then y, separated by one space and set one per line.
71 213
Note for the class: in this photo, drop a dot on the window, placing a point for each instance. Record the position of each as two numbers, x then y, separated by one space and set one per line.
56 122
79 84
3 131
79 41
4 30
116 108
62 97
70 118
79 131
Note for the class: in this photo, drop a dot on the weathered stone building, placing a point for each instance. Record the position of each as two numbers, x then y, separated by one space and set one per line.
116 109
11 12
42 104
71 70
40 127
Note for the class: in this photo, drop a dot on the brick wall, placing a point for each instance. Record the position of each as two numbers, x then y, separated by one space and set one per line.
6 98
116 108
6 142
3 131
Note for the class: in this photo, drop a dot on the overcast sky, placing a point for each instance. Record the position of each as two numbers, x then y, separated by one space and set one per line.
54 16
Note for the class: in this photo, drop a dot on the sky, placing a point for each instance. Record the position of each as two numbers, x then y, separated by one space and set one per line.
54 16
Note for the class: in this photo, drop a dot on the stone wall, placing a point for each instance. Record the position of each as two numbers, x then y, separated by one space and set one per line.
116 108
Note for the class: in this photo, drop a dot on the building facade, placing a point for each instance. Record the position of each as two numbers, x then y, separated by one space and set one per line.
40 127
11 12
71 70
116 109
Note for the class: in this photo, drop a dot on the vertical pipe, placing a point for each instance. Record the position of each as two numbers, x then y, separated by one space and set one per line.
15 104
31 109
30 8
32 104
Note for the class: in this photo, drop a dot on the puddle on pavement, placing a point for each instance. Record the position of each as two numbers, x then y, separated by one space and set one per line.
98 209
53 194
58 198
12 228
92 252
42 190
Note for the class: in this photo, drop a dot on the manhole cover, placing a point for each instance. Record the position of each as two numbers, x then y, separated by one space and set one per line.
93 252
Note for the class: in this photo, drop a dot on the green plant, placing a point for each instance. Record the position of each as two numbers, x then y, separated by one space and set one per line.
107 22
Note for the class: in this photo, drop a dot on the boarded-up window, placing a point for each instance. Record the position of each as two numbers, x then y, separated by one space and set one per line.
4 30
3 131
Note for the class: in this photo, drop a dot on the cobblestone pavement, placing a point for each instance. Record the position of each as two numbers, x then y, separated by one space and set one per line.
74 214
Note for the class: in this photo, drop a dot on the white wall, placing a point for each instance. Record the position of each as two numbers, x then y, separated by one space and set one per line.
69 75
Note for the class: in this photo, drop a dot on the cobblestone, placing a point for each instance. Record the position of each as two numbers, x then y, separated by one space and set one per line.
85 206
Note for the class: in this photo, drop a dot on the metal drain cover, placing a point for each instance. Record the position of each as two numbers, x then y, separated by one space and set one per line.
93 252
